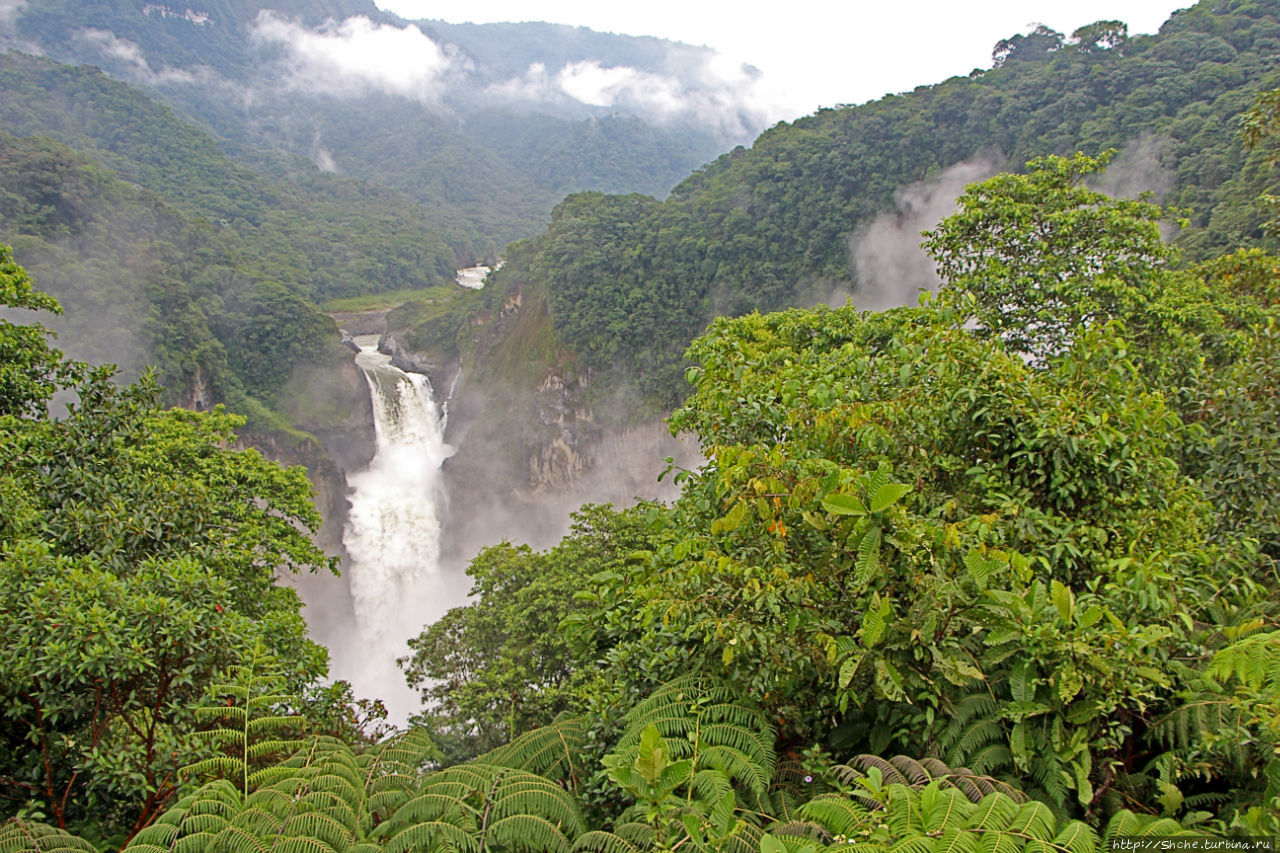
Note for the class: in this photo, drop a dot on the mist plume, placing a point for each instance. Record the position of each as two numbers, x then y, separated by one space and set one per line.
890 267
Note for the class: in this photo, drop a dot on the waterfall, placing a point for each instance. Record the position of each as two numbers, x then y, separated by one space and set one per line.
392 535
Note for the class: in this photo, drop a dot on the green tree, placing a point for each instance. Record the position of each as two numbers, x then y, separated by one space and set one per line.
1043 255
30 370
1100 35
499 666
138 555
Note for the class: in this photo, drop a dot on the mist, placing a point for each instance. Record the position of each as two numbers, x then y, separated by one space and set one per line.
664 83
886 258
357 55
130 54
9 10
1139 168
713 92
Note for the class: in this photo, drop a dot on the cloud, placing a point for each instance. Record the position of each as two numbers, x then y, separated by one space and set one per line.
130 55
357 55
886 257
9 10
696 85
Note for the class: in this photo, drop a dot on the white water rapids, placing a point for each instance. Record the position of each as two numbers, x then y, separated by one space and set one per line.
392 534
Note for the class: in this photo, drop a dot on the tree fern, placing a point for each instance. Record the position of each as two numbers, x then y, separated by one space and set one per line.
479 807
193 822
554 751
391 772
703 720
938 818
1223 734
22 836
323 799
249 730
915 773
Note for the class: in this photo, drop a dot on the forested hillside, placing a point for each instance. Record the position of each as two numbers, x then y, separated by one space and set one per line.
166 253
948 579
992 571
630 282
484 143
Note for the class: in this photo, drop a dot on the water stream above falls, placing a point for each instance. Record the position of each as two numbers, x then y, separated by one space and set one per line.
392 534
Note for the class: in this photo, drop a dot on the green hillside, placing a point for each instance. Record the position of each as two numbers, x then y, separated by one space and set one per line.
484 169
630 283
167 253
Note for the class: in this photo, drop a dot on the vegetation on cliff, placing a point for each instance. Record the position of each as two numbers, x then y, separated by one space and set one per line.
630 283
994 571
942 580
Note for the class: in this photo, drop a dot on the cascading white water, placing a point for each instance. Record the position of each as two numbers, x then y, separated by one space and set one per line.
393 533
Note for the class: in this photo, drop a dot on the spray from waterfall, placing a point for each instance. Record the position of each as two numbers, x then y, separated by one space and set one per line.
393 533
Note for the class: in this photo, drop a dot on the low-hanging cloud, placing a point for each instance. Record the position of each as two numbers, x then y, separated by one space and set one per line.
357 55
322 157
708 89
130 54
891 267
9 10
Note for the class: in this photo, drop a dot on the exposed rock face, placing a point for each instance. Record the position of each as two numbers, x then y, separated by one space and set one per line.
562 437
355 323
198 395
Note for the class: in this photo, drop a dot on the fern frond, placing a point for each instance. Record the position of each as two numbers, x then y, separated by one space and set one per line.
553 751
703 721
488 804
528 832
1034 821
430 837
940 808
1126 823
21 836
236 839
903 770
802 832
957 841
599 841
1185 726
838 815
1076 837
994 813
1253 660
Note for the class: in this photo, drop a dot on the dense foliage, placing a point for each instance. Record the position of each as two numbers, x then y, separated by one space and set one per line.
936 584
137 559
1039 550
993 572
481 167
164 252
775 226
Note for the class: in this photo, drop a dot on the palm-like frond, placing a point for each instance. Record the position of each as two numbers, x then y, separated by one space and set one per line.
21 836
939 818
485 806
553 751
705 720
916 773
322 799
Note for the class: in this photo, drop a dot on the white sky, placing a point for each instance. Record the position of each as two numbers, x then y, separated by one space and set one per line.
818 52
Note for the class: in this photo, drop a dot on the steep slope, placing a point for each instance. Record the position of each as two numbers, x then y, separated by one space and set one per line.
788 222
166 253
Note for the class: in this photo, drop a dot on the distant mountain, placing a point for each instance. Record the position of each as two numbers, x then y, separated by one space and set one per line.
487 126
